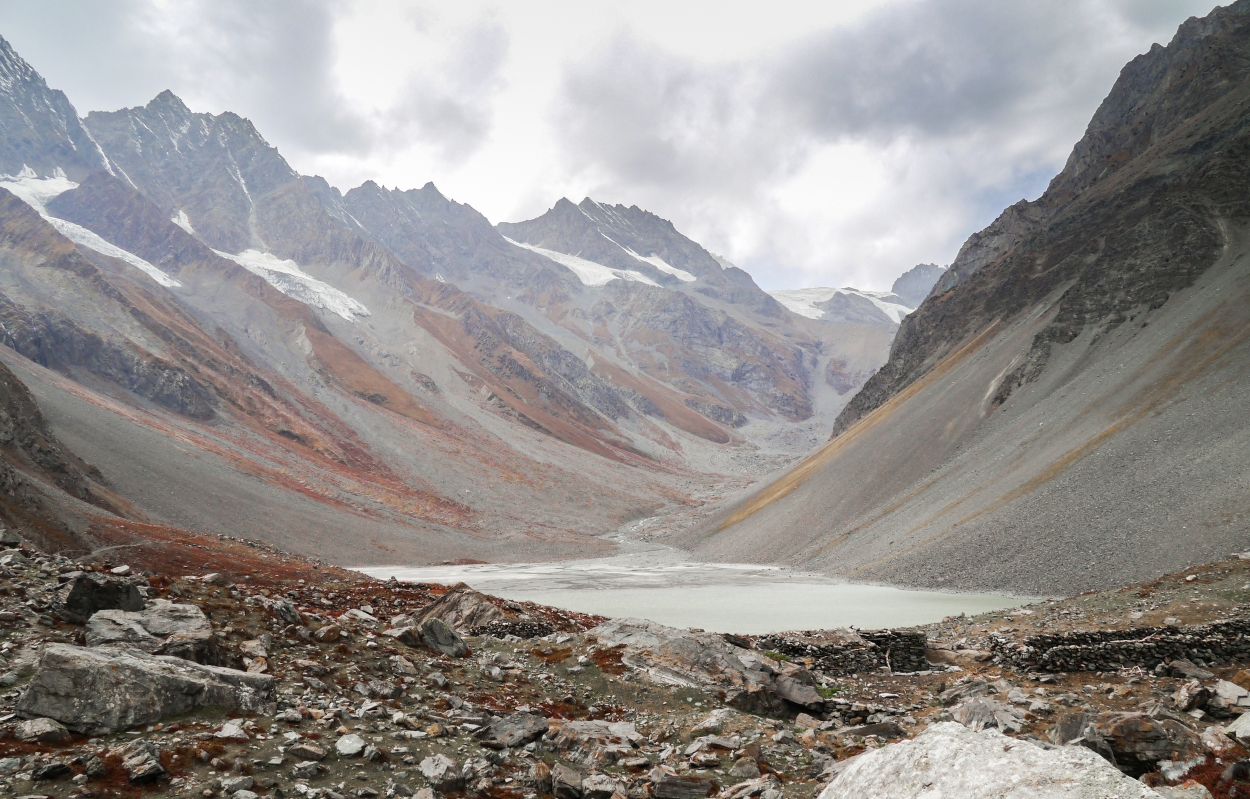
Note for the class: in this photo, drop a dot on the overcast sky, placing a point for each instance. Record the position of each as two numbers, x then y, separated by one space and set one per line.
812 143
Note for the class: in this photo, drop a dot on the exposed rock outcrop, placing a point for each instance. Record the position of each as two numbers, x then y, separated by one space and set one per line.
749 680
163 628
106 689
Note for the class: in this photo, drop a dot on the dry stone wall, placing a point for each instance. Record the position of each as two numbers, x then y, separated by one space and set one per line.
898 650
1108 650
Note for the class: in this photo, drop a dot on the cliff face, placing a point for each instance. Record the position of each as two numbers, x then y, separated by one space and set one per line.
1152 170
1073 394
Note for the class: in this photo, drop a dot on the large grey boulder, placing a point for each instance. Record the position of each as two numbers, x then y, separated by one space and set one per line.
86 593
163 628
1135 742
462 608
516 730
751 681
950 760
437 635
102 690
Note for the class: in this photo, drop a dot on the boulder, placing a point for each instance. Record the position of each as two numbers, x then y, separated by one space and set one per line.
437 635
751 682
162 628
518 729
1190 696
44 731
87 593
1135 742
1229 698
1240 729
1186 790
984 713
599 786
1184 668
968 689
349 745
566 782
597 741
667 784
303 750
101 690
462 608
142 761
442 774
53 770
950 760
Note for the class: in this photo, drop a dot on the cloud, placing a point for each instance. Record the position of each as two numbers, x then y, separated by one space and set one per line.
858 151
451 106
833 149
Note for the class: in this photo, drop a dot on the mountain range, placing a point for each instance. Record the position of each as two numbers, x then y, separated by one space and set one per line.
1066 408
218 343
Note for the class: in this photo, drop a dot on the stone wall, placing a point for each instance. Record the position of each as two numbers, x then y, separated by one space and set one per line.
899 650
1108 650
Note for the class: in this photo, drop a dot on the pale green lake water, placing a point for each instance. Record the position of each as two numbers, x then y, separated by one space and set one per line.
736 598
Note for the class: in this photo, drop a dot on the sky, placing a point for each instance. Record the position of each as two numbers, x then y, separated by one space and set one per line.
833 143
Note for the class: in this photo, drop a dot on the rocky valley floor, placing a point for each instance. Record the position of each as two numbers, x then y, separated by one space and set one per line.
210 667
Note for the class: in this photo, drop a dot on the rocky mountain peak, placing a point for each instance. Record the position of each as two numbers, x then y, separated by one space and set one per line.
915 284
39 128
14 69
1155 94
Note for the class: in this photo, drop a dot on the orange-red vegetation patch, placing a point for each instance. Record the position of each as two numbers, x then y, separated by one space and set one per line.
608 659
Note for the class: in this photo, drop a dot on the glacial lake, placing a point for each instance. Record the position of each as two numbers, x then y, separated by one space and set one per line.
737 598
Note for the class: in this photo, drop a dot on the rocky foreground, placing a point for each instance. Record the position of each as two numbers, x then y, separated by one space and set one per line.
287 678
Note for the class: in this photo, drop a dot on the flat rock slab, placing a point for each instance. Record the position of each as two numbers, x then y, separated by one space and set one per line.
101 690
950 760
517 729
163 627
674 786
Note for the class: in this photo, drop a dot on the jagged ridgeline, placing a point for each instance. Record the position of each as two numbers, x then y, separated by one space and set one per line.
230 342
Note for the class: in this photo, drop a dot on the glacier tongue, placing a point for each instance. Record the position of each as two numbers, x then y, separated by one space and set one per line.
287 277
36 191
803 301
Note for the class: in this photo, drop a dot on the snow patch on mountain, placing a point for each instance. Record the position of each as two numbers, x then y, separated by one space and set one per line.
287 277
36 192
804 301
80 235
183 221
589 272
659 263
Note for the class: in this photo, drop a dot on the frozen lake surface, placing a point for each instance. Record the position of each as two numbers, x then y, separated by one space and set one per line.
740 598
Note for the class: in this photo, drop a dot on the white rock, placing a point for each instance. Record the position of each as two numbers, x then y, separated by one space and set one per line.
231 731
948 760
1239 729
350 745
